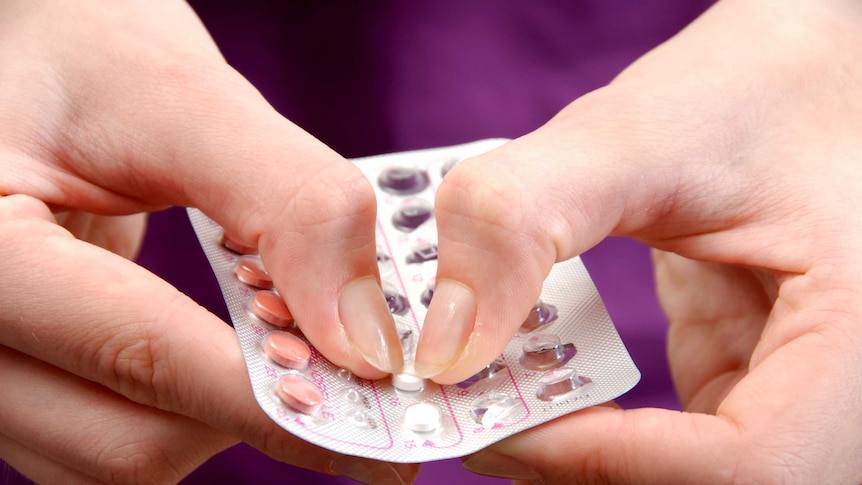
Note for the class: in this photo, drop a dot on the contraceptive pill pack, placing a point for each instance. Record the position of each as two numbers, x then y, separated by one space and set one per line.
567 355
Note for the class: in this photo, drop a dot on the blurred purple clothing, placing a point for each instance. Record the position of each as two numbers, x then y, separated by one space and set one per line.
377 77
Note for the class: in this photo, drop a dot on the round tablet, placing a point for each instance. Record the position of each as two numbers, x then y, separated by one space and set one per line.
545 351
269 306
398 303
411 214
423 417
287 350
299 393
250 270
426 295
407 382
422 253
541 315
236 245
402 180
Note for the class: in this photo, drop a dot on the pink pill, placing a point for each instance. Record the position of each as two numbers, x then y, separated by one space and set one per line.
287 350
250 271
299 393
236 245
269 306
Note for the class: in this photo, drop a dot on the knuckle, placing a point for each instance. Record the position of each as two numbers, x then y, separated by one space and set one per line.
473 194
138 361
325 200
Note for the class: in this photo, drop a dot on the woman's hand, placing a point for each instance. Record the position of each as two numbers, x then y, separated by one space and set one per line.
735 149
110 109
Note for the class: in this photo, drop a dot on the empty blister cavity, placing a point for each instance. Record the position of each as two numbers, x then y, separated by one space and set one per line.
423 417
560 384
541 315
496 408
270 307
344 375
491 372
359 418
236 245
354 397
398 303
411 214
287 350
403 180
422 253
299 393
250 270
545 351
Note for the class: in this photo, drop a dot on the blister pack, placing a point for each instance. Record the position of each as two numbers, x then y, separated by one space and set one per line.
566 356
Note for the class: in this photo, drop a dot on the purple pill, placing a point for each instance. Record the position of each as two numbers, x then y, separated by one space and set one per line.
426 296
420 254
541 315
398 304
543 352
403 180
412 214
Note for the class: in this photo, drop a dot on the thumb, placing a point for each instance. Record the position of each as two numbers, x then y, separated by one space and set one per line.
504 218
604 445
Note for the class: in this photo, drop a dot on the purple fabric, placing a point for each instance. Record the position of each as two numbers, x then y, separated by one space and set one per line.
370 78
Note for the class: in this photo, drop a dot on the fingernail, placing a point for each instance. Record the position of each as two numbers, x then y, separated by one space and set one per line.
493 464
369 325
448 324
374 472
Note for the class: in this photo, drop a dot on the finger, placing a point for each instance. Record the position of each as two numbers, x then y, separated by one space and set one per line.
76 425
112 322
38 468
505 218
603 445
122 235
763 432
717 314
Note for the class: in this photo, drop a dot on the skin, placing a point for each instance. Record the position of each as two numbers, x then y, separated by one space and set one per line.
93 134
733 149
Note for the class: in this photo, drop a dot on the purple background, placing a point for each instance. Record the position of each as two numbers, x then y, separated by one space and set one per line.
389 76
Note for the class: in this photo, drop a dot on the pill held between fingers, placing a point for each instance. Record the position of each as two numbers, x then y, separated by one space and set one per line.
287 350
299 393
270 307
250 271
407 382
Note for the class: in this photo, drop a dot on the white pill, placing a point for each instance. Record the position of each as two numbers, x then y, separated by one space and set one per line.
423 417
407 382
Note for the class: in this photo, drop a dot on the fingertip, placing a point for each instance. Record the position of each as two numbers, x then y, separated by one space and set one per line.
369 325
450 321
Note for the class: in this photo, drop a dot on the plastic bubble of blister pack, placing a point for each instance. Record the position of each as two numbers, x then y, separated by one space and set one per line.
566 356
